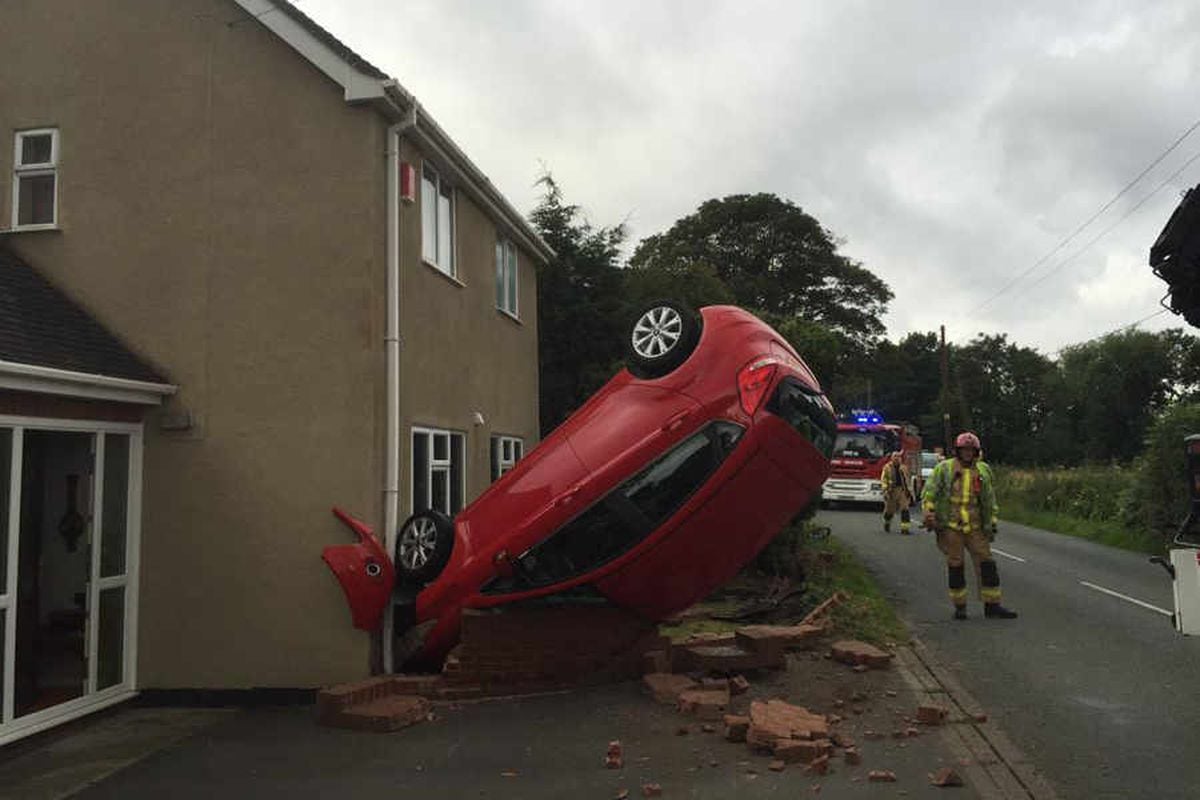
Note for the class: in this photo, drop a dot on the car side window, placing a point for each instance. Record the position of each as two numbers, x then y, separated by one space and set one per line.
629 514
800 407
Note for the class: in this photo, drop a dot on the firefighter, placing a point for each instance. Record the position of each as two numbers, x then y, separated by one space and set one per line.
897 493
960 505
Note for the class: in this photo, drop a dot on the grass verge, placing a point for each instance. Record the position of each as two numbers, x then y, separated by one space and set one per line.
825 566
1111 533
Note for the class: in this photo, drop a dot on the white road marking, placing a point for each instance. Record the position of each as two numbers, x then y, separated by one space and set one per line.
1007 555
1127 598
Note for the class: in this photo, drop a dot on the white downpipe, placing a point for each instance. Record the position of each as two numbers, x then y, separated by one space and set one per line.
391 342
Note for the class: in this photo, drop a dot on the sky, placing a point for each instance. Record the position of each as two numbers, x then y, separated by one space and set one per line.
948 145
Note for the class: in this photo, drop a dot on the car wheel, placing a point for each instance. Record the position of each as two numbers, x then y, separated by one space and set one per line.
661 338
423 545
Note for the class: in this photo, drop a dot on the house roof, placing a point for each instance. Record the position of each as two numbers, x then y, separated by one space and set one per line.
329 40
363 82
42 327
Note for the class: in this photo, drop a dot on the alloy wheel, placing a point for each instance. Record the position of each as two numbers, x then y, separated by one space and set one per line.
657 332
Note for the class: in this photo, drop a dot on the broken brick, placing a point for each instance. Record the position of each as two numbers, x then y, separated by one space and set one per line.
776 766
860 667
872 735
738 685
708 727
881 776
861 654
841 739
945 777
910 732
853 757
615 758
704 704
382 714
651 790
666 687
776 720
736 727
980 717
801 751
682 730
818 766
931 715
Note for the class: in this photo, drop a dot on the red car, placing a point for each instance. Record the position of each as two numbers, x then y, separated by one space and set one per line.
659 489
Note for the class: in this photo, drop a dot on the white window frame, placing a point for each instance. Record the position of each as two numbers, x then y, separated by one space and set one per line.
507 274
93 699
437 465
432 241
515 446
22 170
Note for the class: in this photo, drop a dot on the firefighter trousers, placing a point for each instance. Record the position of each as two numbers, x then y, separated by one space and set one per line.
894 500
953 543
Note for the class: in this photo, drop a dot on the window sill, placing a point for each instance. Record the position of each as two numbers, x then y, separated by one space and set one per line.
511 317
30 229
443 274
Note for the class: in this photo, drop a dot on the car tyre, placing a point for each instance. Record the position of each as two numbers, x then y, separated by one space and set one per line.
423 546
662 336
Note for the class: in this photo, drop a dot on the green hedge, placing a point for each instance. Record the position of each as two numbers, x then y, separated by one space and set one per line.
1138 506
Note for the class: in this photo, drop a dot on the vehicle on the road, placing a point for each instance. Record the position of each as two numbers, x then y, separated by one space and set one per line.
927 461
863 446
670 479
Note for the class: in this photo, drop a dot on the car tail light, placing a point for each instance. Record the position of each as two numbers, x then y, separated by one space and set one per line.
753 381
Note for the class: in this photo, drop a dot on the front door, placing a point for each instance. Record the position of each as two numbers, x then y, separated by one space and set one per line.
67 533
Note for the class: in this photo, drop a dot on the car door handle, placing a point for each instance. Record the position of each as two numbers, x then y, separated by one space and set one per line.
676 421
568 496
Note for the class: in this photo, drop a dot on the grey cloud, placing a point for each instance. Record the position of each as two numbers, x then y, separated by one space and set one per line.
950 144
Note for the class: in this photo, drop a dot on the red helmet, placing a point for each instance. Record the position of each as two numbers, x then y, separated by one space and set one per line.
967 439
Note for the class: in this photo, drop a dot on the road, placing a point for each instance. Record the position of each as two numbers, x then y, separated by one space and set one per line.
1097 688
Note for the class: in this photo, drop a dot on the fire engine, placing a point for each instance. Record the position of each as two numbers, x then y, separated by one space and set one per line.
863 446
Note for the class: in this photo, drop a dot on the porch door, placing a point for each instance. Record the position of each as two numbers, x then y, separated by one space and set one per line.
10 487
109 585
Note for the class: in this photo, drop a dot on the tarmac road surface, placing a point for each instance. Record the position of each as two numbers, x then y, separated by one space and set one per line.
1092 681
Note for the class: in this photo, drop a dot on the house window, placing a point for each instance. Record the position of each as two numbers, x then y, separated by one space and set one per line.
438 461
437 221
506 276
506 452
35 179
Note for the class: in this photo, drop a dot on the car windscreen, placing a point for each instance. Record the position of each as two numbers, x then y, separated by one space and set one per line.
626 516
802 408
929 460
864 444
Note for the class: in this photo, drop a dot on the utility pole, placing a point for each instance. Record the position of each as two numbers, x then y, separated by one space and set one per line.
945 366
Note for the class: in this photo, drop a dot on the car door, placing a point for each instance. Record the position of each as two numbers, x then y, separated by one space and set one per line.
626 429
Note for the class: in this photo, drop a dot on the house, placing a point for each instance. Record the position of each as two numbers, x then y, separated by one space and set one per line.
244 277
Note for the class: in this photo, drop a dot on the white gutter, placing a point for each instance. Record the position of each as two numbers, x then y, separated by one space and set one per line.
48 380
391 344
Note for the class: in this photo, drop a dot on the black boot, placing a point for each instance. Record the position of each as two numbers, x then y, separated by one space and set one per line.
960 612
997 611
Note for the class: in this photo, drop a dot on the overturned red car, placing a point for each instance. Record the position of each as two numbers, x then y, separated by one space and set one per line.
669 480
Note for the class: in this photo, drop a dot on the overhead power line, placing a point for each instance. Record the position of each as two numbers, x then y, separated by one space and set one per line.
1110 228
1122 328
1089 220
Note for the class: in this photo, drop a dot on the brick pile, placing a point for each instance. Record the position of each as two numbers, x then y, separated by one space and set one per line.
515 651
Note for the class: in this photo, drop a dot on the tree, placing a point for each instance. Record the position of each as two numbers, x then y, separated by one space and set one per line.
774 258
580 309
